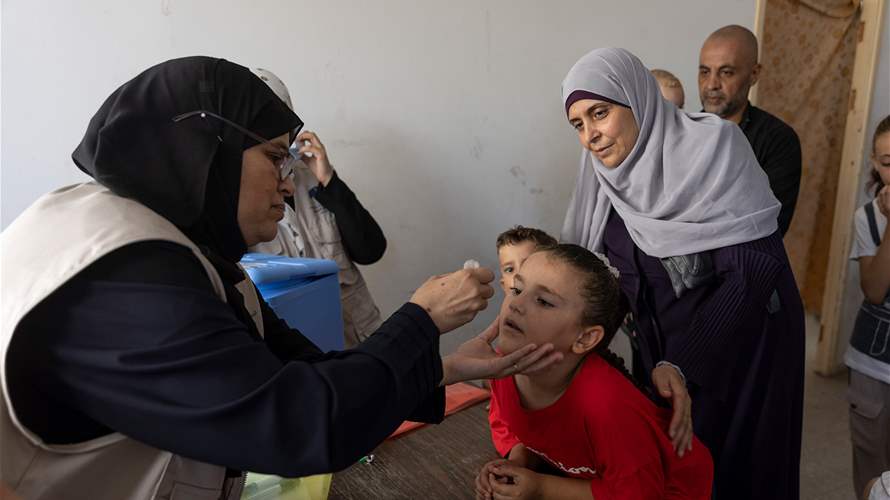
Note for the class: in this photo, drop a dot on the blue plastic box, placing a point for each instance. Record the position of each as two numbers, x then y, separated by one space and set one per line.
305 293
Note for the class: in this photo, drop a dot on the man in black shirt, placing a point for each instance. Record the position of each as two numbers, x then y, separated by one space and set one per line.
727 70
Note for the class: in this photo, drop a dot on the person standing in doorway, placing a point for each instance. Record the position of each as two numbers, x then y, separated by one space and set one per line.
868 355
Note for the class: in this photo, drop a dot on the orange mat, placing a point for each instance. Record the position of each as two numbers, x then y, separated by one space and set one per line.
457 397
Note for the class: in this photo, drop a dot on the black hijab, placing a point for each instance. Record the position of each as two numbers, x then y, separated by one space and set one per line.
189 171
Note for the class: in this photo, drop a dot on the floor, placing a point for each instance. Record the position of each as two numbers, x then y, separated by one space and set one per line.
436 462
825 470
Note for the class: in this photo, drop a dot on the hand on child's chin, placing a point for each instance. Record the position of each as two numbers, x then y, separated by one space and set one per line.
506 345
510 340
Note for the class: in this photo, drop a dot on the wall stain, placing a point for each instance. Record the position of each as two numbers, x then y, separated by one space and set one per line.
477 149
517 172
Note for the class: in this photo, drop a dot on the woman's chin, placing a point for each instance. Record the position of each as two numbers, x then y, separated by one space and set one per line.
269 232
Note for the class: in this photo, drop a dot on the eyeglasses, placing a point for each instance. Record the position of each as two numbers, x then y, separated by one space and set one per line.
285 167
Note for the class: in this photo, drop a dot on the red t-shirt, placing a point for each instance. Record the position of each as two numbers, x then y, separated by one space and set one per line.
605 430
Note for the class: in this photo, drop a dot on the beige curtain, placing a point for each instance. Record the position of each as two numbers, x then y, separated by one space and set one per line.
807 52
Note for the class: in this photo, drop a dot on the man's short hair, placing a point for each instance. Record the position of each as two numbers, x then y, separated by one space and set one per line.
741 34
520 234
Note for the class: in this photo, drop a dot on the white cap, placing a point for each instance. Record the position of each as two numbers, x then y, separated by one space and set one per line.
275 84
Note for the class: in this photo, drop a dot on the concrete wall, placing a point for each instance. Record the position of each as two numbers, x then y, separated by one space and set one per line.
444 117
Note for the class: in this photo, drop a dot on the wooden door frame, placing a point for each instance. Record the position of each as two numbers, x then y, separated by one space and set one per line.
828 359
759 17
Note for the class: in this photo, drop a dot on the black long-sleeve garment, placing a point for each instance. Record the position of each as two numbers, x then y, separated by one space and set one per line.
362 237
743 360
139 343
777 149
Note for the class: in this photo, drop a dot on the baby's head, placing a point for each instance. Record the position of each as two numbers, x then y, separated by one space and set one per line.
514 246
564 295
670 86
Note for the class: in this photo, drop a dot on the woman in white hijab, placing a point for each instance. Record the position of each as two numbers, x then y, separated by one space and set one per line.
679 205
323 219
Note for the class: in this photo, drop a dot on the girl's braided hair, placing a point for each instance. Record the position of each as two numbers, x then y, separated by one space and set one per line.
605 304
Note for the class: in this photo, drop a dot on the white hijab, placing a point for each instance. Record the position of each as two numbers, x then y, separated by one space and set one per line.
690 184
275 84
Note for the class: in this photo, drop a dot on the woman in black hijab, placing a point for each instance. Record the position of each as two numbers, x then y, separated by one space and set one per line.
138 343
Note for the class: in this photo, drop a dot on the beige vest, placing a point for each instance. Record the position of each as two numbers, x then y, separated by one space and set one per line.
311 231
55 238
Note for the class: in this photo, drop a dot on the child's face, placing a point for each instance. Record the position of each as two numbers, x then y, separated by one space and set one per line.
545 305
881 159
510 258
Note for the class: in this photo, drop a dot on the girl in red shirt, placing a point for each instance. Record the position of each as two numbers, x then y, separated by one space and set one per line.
582 416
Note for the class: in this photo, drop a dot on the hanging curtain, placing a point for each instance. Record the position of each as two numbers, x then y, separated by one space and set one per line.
807 52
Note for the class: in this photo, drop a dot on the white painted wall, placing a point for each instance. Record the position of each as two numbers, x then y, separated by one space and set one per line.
444 117
880 107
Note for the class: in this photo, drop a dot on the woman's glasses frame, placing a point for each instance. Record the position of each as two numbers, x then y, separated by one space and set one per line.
285 167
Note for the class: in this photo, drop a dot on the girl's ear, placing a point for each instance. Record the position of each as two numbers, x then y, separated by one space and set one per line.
587 339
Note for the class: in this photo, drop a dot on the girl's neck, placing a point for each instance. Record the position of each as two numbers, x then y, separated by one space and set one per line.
542 389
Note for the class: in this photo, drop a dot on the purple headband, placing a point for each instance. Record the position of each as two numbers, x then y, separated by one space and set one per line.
583 94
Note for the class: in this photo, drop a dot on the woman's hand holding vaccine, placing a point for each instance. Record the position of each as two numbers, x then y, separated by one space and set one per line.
454 299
